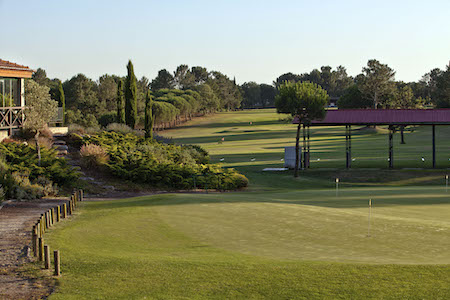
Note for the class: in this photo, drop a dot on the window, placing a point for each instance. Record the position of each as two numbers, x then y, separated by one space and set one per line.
9 92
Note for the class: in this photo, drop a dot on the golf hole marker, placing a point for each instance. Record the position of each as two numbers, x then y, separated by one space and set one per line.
446 183
370 212
337 187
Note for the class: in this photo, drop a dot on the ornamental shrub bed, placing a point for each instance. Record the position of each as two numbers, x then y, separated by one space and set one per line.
163 165
21 177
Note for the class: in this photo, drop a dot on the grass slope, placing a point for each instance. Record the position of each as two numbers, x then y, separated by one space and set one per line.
283 238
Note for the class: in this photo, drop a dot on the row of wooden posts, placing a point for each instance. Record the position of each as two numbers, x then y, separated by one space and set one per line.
47 220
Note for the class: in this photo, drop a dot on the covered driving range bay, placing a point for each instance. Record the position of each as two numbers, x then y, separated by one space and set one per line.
396 120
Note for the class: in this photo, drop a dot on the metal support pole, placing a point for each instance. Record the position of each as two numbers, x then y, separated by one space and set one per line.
309 147
304 147
434 145
391 148
349 146
347 165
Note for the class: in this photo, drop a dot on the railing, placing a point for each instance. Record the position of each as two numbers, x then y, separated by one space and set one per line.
58 118
11 117
14 117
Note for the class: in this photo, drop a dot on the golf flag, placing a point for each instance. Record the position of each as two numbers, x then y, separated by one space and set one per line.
370 202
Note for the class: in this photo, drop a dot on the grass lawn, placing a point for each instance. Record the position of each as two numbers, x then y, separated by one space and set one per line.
283 238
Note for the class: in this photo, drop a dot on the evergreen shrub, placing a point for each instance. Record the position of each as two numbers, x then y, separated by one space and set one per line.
141 160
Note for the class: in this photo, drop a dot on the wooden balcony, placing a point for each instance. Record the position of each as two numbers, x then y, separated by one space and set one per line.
11 117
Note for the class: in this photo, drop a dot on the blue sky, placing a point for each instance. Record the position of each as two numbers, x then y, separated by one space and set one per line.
251 40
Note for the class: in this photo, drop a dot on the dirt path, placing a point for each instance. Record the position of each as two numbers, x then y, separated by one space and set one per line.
17 280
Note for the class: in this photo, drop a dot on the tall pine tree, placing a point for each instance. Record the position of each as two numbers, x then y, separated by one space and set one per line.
148 116
120 103
62 101
130 97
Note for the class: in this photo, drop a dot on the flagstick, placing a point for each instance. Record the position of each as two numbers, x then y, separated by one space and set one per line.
337 187
446 183
370 212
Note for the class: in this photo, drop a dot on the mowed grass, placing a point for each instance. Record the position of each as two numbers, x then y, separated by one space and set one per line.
282 238
255 139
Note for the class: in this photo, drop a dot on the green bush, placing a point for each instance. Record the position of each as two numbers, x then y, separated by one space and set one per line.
22 177
119 127
163 165
93 156
107 119
75 140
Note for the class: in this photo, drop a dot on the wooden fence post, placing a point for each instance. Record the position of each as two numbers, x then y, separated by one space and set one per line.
41 222
47 218
54 215
38 228
64 212
34 239
81 195
57 261
41 249
47 257
58 213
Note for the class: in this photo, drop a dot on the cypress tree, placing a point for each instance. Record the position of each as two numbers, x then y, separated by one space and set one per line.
120 103
130 97
62 101
148 116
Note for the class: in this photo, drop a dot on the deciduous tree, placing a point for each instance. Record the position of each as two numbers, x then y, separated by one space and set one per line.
303 100
40 110
378 83
353 98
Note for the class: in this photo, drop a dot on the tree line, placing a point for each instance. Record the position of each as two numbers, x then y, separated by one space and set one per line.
376 87
177 97
190 91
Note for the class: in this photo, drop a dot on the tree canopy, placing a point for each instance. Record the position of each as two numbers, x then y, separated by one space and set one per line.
304 100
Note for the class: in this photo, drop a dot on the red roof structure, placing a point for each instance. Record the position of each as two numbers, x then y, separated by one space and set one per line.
394 118
10 69
384 117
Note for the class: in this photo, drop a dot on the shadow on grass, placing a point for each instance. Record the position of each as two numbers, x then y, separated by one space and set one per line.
328 200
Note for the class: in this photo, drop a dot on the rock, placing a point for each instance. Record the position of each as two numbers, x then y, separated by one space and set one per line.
62 148
59 142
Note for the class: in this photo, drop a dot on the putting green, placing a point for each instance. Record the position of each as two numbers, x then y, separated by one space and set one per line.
408 226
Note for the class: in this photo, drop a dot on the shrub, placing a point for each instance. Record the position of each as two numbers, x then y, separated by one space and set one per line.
43 142
75 140
77 129
21 157
28 134
23 189
49 189
92 130
199 154
120 128
2 195
164 166
93 156
107 119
